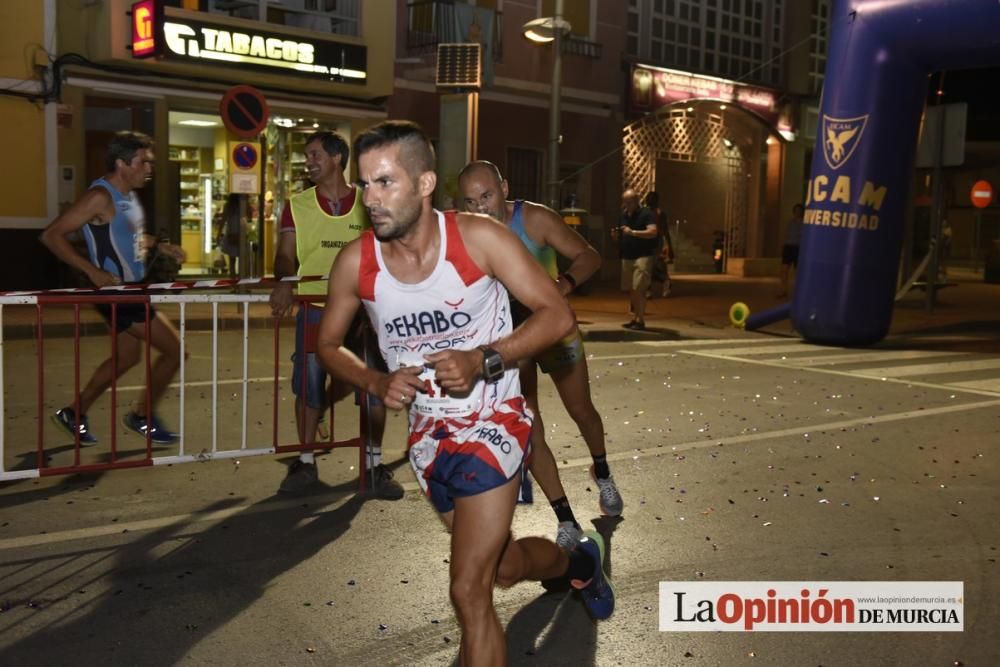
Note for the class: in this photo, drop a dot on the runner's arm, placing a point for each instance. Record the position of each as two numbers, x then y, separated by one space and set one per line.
545 224
501 254
94 207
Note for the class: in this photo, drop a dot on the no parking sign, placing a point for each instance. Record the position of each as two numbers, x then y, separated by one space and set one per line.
244 167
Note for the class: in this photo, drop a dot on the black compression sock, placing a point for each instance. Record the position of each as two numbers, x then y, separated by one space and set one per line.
601 470
563 511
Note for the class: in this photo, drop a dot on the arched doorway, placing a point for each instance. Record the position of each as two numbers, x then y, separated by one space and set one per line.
708 161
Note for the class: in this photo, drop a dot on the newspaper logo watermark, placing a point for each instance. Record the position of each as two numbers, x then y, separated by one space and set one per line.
812 606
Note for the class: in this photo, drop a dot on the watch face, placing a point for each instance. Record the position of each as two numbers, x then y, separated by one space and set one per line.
492 365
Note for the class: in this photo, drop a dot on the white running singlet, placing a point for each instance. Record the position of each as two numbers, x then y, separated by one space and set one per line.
457 307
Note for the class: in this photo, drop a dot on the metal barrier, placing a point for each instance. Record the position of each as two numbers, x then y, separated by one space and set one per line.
44 302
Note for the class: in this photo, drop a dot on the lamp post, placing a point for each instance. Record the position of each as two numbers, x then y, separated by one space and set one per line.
544 30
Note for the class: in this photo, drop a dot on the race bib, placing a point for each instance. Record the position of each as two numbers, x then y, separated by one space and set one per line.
434 402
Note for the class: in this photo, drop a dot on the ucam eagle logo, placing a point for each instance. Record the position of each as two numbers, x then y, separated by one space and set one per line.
840 137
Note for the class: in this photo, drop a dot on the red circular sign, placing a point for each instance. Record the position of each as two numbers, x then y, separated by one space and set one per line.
982 194
244 111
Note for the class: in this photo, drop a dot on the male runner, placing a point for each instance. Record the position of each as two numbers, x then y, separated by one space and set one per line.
315 225
114 226
543 232
434 287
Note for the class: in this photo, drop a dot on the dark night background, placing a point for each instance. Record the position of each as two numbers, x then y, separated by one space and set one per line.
976 87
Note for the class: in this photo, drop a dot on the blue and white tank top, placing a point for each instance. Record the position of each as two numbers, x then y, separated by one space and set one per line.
117 247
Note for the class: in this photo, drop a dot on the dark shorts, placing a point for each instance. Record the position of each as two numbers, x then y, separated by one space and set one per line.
564 354
127 315
790 255
305 343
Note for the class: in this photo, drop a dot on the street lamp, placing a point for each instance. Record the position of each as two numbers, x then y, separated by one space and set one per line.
543 31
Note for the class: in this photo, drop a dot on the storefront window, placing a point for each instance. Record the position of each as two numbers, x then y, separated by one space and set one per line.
199 184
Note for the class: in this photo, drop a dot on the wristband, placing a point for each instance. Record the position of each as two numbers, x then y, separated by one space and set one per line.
570 279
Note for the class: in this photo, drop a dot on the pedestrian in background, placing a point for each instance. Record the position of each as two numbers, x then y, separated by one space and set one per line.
637 234
790 250
229 231
315 224
661 270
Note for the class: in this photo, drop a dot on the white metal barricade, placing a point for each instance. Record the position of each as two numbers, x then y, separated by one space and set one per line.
189 448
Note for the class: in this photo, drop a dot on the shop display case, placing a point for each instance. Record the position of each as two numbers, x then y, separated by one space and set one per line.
297 175
195 202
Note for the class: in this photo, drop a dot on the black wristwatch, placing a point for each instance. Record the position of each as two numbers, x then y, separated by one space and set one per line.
492 364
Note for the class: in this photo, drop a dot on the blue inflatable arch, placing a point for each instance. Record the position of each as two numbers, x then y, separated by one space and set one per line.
880 55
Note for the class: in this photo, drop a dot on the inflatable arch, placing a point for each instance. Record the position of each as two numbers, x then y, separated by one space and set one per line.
880 55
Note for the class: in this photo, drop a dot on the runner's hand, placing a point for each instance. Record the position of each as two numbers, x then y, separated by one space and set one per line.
174 251
102 278
398 389
456 370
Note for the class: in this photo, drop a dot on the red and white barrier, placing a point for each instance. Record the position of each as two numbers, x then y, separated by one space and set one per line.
212 283
190 447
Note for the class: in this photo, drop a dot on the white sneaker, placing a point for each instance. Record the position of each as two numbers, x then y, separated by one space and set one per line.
567 535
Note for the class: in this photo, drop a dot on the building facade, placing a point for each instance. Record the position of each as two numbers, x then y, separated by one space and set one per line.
706 102
719 117
163 68
511 127
28 187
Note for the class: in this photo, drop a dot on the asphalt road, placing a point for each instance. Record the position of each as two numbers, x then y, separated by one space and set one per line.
741 457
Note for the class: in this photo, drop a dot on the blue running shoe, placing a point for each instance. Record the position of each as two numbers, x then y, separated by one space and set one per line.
66 418
159 434
598 593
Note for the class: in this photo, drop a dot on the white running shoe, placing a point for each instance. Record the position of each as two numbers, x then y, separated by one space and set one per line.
610 501
567 535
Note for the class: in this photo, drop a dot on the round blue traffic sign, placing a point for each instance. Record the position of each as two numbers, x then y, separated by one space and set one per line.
245 156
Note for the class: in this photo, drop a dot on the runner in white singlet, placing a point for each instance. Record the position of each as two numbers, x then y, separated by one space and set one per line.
434 287
456 307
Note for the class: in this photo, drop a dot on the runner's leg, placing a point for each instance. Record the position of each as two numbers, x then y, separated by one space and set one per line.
543 463
483 553
573 385
163 337
129 352
480 529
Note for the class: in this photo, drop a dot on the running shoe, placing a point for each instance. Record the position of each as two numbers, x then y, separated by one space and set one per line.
567 535
598 592
386 487
158 433
610 500
301 476
66 418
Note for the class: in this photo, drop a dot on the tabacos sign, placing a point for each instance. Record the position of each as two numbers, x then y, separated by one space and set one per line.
175 38
146 17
